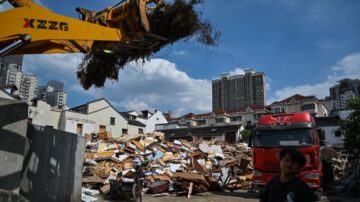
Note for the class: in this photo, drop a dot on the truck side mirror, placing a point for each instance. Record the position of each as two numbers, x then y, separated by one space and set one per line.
321 133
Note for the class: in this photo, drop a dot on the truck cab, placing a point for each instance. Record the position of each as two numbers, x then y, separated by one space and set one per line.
277 131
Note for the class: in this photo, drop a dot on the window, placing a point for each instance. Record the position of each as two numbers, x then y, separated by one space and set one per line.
307 106
201 122
219 120
248 123
79 128
276 110
124 131
236 118
141 131
282 138
112 121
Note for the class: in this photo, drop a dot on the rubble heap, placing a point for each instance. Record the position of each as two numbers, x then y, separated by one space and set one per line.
346 170
178 167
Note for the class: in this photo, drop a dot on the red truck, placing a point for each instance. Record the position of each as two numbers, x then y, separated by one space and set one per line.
277 131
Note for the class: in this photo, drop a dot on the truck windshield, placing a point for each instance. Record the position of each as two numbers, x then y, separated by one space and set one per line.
282 138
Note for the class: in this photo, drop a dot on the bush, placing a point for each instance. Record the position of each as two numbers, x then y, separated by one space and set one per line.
351 129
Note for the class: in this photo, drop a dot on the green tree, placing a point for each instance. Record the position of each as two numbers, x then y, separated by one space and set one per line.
245 134
351 128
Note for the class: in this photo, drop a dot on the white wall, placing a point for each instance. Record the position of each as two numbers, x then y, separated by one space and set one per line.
100 113
330 135
43 115
6 96
156 118
71 126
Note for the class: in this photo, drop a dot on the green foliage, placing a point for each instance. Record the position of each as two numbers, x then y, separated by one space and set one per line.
245 134
351 128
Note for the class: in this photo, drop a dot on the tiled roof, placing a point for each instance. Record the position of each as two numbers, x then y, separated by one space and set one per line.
296 97
223 112
135 123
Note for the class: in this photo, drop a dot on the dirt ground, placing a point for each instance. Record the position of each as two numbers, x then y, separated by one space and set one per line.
235 196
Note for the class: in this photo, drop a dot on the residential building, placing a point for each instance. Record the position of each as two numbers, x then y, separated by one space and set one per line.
56 85
92 117
239 91
150 119
7 92
11 74
330 104
169 125
246 116
53 93
331 127
107 118
41 113
345 90
300 103
28 88
12 59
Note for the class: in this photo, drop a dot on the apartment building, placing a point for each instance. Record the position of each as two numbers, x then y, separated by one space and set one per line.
239 91
53 93
345 90
11 74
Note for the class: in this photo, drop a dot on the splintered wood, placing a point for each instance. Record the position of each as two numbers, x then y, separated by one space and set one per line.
178 167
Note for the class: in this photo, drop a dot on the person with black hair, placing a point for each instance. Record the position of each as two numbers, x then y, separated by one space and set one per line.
288 187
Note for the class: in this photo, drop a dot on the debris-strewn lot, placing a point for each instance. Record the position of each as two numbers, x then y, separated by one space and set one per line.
178 167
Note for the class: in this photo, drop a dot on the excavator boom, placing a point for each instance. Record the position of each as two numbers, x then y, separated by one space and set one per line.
29 28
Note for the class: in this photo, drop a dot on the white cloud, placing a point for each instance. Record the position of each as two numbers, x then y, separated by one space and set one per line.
237 71
155 83
135 104
179 52
347 67
5 6
53 66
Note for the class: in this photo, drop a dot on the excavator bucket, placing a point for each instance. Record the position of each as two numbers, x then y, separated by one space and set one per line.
143 16
131 18
34 29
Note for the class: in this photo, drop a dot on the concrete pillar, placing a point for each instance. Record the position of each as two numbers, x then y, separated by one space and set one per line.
13 125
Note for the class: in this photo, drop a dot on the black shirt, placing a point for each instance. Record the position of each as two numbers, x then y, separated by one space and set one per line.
294 190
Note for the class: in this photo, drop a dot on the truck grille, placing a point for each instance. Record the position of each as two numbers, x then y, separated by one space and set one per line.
272 166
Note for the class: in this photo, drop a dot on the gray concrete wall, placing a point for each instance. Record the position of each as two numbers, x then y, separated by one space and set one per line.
52 169
13 125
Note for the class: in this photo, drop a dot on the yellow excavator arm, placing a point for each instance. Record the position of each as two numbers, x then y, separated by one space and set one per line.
29 28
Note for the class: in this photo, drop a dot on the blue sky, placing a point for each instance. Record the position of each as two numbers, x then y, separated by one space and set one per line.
303 46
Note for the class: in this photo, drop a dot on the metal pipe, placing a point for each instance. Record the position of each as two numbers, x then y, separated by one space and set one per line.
14 45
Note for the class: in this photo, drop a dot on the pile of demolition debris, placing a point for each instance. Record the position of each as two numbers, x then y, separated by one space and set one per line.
345 169
174 167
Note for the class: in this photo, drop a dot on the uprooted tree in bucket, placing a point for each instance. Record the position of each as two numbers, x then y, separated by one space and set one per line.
173 21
